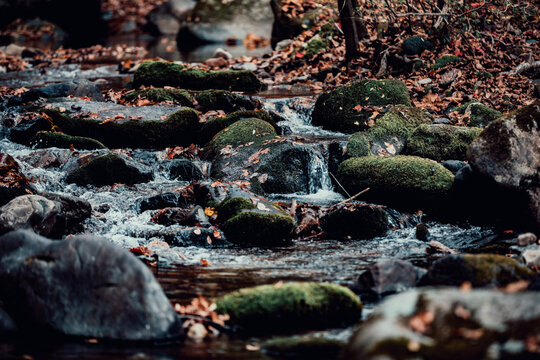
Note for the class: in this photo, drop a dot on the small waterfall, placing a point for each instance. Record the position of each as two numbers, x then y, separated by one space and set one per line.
319 178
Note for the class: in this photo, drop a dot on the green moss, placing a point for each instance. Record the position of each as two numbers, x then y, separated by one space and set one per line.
231 207
480 115
403 181
335 110
45 139
303 347
179 129
291 307
258 228
314 47
441 142
445 61
177 96
495 269
359 145
222 100
242 132
155 73
107 170
213 126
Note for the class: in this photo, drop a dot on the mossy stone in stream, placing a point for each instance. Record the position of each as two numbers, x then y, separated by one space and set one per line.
45 139
441 142
242 132
108 170
444 61
214 125
393 128
161 74
231 207
335 110
480 270
359 221
177 96
222 100
291 307
403 181
179 129
303 347
480 115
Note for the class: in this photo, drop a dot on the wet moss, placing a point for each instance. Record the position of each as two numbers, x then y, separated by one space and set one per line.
231 207
177 96
335 110
213 126
291 307
258 228
301 347
314 47
359 145
179 129
495 269
402 181
242 132
155 73
480 115
222 100
445 61
45 139
441 142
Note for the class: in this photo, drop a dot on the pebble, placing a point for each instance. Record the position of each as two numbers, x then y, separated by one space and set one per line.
442 121
222 53
424 81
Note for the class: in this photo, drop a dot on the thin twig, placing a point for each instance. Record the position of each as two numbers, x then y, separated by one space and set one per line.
341 186
353 197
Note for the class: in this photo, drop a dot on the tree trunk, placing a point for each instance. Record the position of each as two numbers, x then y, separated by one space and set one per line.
352 25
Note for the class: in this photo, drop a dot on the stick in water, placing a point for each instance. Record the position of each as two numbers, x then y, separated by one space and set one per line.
354 197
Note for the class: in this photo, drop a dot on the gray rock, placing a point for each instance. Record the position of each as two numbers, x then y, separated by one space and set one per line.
454 165
526 239
7 325
530 257
245 66
283 44
32 212
82 286
357 220
443 121
166 18
222 53
161 201
73 211
76 88
184 170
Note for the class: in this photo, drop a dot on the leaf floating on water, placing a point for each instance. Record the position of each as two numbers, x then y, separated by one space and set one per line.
205 262
197 231
262 207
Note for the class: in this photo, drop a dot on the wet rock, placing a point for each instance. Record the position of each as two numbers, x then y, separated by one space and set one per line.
389 134
50 288
355 220
161 74
242 132
530 257
184 170
337 151
170 216
73 211
195 236
401 181
526 239
76 88
388 277
250 220
29 212
416 45
178 129
109 170
222 53
507 154
13 183
291 306
443 121
441 142
176 96
166 18
479 114
27 129
45 139
303 347
336 109
7 324
422 232
223 100
448 324
47 159
479 270
454 165
161 201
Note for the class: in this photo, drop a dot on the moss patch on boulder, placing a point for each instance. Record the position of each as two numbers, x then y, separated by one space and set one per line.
176 96
212 126
291 307
335 110
46 139
223 100
303 347
403 181
480 115
243 132
444 61
441 142
161 74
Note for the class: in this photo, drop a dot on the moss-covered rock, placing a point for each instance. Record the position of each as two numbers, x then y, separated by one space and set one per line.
303 347
45 139
161 74
212 126
416 45
313 47
179 129
359 221
389 134
444 61
108 170
176 96
480 115
441 142
402 181
230 207
479 270
243 132
335 110
222 100
291 306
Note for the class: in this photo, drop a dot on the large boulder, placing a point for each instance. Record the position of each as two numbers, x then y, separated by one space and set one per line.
347 108
441 142
13 183
29 212
450 324
184 170
479 270
291 307
507 155
406 182
109 169
356 221
82 286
